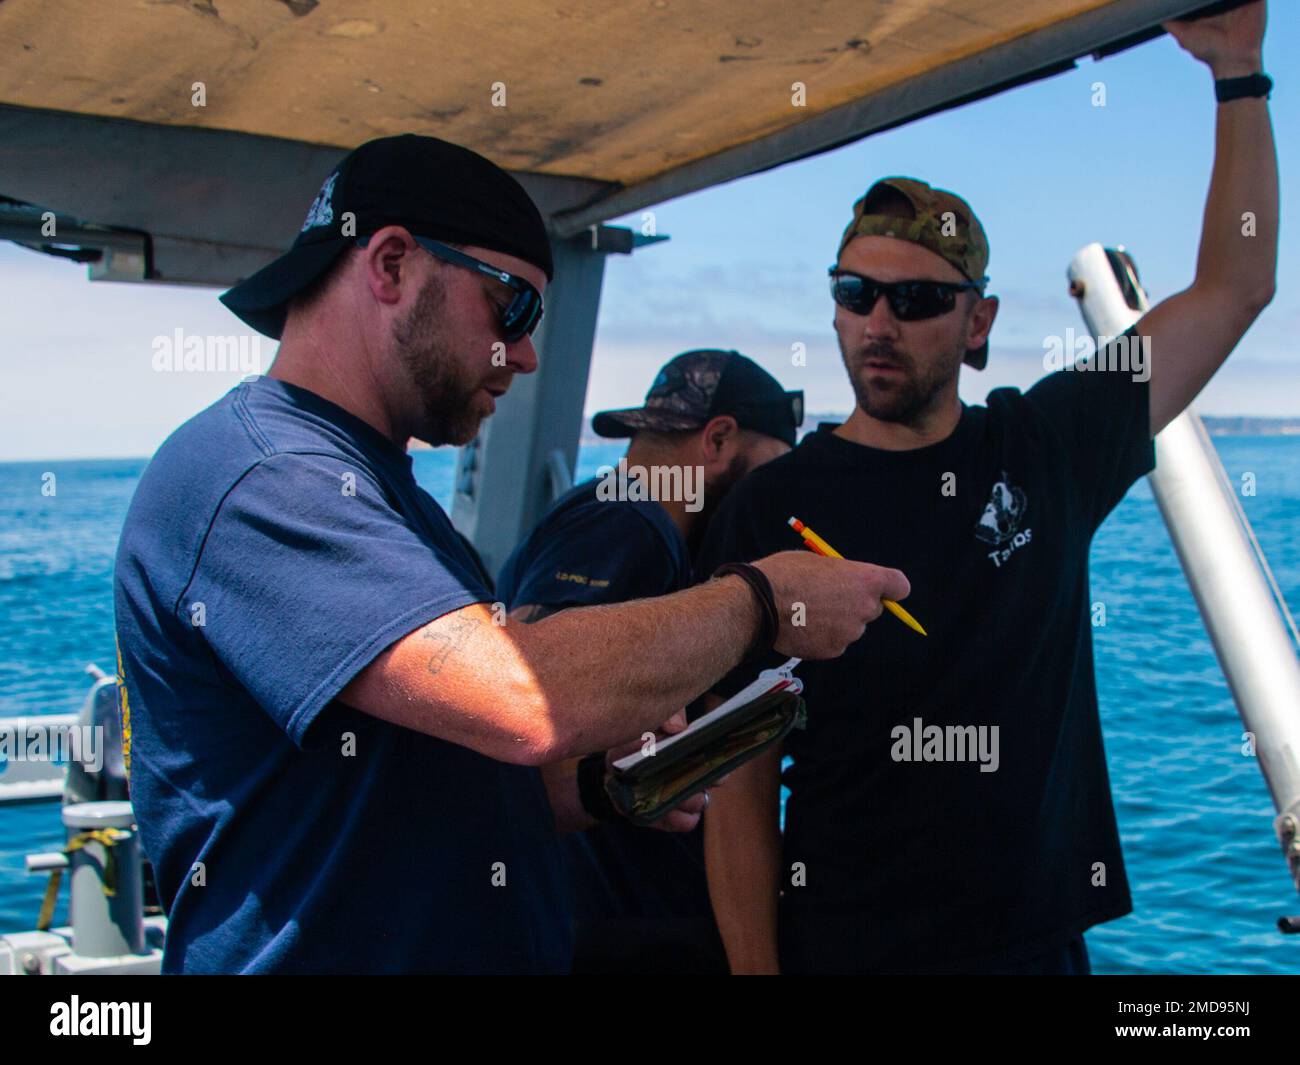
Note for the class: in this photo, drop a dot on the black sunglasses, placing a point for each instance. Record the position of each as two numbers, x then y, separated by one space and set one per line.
521 316
910 301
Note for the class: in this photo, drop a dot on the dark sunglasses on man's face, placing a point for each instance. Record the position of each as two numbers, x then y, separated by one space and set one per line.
521 315
910 301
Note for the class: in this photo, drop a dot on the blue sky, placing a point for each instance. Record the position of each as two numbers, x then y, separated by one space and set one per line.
1046 171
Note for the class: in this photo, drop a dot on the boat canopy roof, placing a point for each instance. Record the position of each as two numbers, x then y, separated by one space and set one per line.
607 107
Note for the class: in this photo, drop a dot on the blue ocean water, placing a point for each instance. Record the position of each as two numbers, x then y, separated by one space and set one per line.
1208 877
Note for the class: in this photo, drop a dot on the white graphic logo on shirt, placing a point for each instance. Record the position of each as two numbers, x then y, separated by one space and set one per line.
1000 520
1002 513
321 212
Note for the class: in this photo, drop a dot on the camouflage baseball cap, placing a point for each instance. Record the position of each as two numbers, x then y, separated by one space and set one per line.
938 220
705 383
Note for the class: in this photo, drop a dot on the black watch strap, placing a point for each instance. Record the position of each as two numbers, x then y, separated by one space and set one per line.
591 788
769 627
1226 89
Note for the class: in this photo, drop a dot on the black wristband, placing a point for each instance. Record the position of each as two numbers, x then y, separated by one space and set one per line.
1226 89
591 788
769 626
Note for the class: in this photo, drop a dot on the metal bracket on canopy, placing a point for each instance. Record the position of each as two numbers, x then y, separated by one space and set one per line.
111 254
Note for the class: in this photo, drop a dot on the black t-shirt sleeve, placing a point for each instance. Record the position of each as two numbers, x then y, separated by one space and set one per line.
1102 420
596 553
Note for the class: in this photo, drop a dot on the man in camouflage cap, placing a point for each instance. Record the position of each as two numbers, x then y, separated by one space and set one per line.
949 808
640 902
936 219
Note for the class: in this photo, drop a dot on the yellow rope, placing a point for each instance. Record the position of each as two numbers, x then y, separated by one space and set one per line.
48 903
107 838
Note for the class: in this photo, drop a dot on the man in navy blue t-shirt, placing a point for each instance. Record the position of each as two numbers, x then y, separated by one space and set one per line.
334 740
949 806
640 899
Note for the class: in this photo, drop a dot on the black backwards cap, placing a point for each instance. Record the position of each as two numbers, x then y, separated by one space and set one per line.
433 188
696 386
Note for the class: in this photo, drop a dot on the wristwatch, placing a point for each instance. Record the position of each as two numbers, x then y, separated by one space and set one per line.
1226 89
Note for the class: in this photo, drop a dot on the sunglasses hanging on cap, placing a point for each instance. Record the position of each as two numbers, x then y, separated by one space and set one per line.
795 399
910 301
521 316
791 404
796 407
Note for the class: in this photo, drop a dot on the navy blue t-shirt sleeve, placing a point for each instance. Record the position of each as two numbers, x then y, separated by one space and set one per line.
596 553
306 574
1102 419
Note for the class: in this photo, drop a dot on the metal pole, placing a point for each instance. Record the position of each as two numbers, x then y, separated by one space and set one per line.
107 909
1210 534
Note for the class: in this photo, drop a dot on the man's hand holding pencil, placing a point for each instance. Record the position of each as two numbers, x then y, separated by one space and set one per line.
815 543
840 598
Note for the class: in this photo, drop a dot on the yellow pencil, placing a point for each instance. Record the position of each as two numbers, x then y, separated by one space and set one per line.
812 540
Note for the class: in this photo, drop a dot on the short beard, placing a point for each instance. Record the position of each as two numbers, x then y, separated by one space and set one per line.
908 399
446 398
715 491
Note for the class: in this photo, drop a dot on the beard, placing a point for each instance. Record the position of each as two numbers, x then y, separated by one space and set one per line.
715 490
445 390
907 397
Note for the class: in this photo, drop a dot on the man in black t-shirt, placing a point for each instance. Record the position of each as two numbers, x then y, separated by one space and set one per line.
639 898
949 806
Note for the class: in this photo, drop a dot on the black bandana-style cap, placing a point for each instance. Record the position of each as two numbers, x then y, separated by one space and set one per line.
433 188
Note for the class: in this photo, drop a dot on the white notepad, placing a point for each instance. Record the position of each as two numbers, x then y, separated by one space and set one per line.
779 679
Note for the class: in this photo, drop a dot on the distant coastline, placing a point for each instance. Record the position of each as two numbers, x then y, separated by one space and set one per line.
1216 425
1245 425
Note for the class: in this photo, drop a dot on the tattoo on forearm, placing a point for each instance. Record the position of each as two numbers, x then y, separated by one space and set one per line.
447 640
